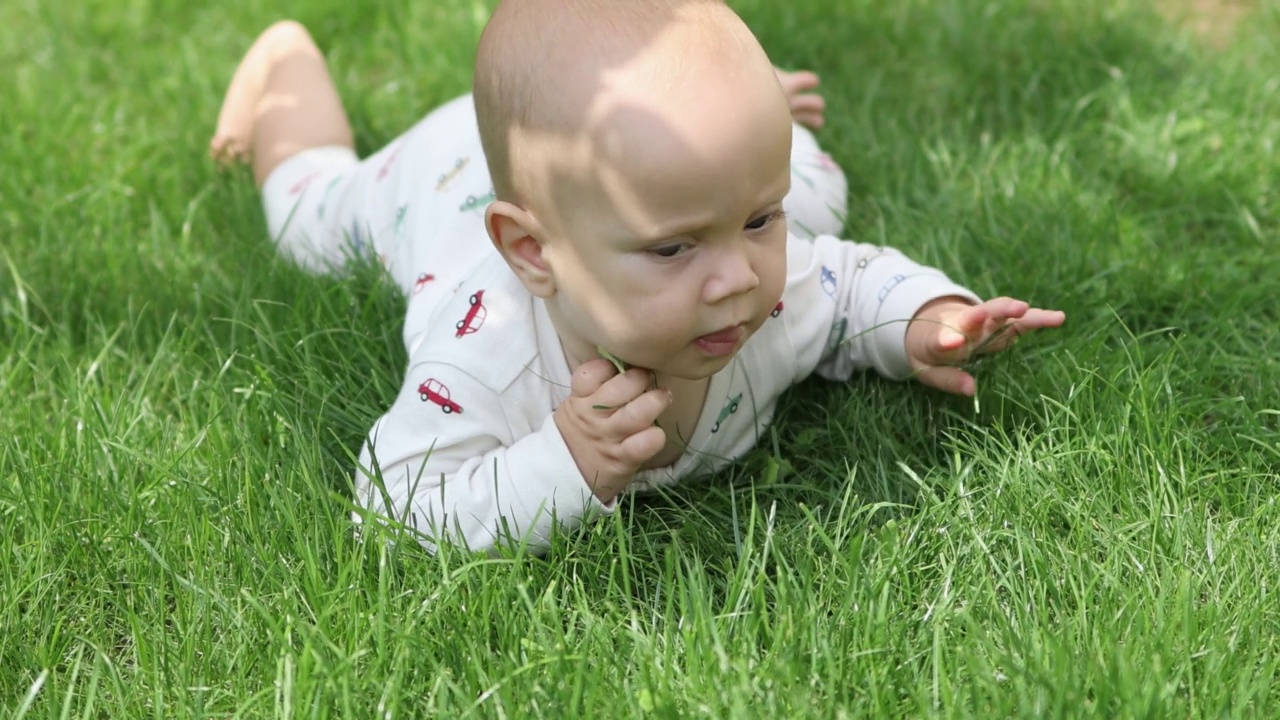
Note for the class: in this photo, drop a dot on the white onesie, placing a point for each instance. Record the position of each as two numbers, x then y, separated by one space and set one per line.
469 450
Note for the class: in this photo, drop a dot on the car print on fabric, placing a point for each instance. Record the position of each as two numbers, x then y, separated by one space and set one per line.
328 190
475 315
473 203
422 281
386 166
401 212
447 179
729 408
829 281
777 310
838 330
434 391
302 184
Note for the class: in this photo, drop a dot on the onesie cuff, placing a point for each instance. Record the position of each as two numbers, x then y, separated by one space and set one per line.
568 482
896 311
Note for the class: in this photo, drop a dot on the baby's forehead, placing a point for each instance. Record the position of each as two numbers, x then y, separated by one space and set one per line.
679 152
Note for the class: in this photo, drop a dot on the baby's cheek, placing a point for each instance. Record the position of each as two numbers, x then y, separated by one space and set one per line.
618 322
655 330
773 280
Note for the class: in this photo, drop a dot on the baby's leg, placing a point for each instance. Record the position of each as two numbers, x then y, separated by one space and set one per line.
281 101
819 199
282 112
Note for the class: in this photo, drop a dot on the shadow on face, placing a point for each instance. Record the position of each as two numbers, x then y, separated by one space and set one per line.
643 120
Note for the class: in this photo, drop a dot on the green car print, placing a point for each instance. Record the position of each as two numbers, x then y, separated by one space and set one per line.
729 408
477 203
836 338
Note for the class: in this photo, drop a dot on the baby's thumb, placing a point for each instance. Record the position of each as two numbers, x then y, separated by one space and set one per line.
948 379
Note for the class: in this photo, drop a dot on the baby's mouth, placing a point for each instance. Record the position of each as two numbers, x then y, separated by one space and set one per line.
722 342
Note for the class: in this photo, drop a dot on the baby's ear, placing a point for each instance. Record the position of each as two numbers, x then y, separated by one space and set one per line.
517 235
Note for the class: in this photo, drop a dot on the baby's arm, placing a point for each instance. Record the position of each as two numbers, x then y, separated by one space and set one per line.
852 304
448 461
864 306
449 465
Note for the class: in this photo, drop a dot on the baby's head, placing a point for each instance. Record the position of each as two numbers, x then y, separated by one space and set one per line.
640 152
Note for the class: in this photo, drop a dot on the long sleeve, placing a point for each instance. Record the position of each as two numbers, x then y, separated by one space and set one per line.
852 305
449 465
469 451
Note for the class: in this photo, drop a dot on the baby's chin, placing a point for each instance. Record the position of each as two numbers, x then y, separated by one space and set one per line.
692 366
686 362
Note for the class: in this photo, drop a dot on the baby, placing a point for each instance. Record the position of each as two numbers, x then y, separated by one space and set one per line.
659 263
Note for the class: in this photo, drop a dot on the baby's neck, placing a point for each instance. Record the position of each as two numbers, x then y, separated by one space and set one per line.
680 419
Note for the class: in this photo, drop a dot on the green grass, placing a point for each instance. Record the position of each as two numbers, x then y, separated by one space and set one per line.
1097 537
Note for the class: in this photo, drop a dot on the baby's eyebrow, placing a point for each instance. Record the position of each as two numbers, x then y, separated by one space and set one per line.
675 228
679 228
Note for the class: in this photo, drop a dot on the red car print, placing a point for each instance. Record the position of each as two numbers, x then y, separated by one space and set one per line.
422 281
475 315
302 184
436 392
386 166
777 310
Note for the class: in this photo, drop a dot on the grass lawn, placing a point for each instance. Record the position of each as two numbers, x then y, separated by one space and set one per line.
1097 536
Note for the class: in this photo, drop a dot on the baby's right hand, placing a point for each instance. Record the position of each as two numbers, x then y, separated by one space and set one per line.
608 424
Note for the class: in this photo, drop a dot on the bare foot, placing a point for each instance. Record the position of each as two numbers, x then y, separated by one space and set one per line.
233 138
806 108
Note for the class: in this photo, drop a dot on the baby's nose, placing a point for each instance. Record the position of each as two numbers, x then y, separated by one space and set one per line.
734 276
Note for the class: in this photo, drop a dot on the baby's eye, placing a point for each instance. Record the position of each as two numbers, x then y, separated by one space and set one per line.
764 221
669 251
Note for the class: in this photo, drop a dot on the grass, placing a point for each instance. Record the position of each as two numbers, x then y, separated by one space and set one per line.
1097 537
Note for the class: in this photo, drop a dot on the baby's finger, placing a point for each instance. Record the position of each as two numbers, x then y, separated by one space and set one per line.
947 341
590 376
638 448
1001 337
948 379
1008 334
953 334
1005 308
639 413
619 390
1035 319
970 321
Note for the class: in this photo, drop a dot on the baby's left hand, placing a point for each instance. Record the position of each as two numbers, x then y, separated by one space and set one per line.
947 332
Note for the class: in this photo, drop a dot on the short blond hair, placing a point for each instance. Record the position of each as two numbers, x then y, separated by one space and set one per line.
532 52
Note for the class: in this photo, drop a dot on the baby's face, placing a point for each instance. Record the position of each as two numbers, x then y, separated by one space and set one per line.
669 250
